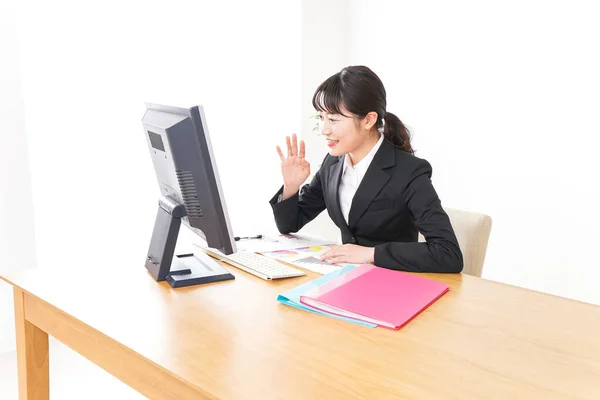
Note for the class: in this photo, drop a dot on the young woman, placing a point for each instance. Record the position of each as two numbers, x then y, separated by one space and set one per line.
375 190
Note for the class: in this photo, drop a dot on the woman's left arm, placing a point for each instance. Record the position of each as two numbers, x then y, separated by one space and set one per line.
441 252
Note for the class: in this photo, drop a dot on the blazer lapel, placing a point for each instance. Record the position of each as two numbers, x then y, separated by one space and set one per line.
333 200
374 180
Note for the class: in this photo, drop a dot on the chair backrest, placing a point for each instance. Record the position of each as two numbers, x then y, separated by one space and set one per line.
473 232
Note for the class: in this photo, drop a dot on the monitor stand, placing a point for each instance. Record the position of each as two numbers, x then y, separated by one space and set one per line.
182 269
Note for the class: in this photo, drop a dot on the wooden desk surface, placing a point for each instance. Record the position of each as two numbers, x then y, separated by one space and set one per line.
482 340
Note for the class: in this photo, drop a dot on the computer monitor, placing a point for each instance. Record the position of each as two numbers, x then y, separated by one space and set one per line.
190 192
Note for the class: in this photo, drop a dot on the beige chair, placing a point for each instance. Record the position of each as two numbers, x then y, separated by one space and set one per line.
473 232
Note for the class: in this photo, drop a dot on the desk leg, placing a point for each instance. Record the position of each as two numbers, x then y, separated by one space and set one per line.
32 355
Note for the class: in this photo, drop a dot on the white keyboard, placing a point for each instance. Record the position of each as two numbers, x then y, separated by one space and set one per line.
256 264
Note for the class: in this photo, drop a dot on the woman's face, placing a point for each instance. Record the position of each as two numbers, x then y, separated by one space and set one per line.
343 134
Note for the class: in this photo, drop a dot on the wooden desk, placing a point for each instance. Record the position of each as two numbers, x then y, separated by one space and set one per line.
233 340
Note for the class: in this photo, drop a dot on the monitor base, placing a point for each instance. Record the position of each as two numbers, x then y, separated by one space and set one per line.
196 269
178 270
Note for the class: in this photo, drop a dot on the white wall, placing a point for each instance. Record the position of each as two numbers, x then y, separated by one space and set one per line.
325 48
83 71
503 101
17 249
88 69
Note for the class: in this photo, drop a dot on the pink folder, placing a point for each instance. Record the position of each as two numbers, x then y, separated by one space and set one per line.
377 295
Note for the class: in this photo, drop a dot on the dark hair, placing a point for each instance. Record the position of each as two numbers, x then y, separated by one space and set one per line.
360 91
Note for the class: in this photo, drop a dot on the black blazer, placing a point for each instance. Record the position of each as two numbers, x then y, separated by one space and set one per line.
394 202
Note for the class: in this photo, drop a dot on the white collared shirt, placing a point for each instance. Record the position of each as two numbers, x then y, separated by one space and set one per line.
352 176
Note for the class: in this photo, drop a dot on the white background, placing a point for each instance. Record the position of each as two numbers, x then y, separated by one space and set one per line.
17 245
87 69
502 100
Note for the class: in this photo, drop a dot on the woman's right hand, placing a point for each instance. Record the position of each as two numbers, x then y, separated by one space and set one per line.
294 168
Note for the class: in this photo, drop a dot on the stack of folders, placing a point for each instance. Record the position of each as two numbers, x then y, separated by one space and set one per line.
366 295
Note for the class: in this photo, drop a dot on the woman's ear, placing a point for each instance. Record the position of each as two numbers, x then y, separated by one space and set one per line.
370 120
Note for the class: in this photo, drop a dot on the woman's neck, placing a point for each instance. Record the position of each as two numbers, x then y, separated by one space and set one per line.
357 155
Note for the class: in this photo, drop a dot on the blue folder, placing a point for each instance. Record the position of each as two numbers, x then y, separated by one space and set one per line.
292 296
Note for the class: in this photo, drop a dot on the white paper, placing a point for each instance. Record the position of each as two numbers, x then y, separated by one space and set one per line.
300 250
307 257
280 242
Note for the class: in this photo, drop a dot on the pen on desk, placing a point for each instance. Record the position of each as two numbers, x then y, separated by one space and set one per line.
248 237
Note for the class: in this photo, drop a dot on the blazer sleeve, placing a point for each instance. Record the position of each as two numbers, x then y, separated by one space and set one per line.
441 252
294 212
